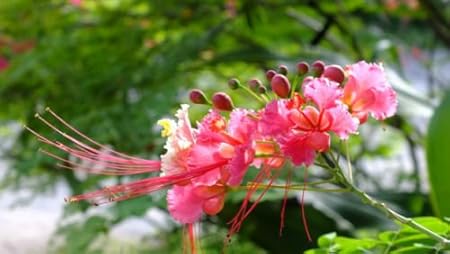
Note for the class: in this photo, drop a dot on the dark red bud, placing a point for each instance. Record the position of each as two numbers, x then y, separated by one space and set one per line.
270 74
254 84
283 69
234 84
318 67
197 96
222 101
302 68
262 89
280 85
335 73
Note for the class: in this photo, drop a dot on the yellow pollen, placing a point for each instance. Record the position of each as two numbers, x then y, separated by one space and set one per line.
167 126
219 125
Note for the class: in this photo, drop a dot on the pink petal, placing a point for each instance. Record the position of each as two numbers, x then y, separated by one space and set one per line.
343 124
205 154
241 126
301 148
324 92
274 120
183 204
368 90
214 205
239 164
385 105
210 127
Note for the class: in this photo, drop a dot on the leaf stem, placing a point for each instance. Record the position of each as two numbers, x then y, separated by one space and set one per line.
256 96
366 198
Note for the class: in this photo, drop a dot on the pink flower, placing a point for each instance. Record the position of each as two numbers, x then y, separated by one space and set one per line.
368 91
76 2
301 128
331 115
216 141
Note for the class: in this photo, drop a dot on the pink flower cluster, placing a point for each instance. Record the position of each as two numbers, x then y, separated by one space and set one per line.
202 164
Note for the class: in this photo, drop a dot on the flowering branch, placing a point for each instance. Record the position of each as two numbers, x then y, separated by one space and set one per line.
203 163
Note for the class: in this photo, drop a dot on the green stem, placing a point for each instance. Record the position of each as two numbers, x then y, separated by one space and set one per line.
294 85
257 97
292 187
349 162
386 210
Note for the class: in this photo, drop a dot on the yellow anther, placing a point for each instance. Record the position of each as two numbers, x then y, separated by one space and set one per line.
168 127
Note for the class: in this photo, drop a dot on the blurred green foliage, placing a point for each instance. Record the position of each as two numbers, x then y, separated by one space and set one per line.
113 67
438 143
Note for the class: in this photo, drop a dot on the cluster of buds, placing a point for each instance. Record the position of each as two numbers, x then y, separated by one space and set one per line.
203 163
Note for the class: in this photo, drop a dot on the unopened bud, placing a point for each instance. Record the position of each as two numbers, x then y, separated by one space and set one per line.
222 101
302 68
270 74
280 85
318 68
283 69
262 90
254 84
233 84
335 73
197 96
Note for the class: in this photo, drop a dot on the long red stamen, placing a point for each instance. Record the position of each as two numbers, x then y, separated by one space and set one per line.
192 238
302 205
283 207
86 137
244 212
92 168
141 187
105 161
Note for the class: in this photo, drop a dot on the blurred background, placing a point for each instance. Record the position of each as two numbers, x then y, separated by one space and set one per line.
112 68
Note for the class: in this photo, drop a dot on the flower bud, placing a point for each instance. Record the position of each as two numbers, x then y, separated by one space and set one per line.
234 83
283 69
335 73
270 74
254 84
318 68
222 101
262 90
197 96
302 68
280 85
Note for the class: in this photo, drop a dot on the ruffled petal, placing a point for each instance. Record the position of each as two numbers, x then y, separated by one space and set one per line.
183 204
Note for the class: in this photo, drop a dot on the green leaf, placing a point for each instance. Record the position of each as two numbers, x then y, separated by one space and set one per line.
431 223
438 159
327 240
414 239
351 244
387 236
412 250
316 251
